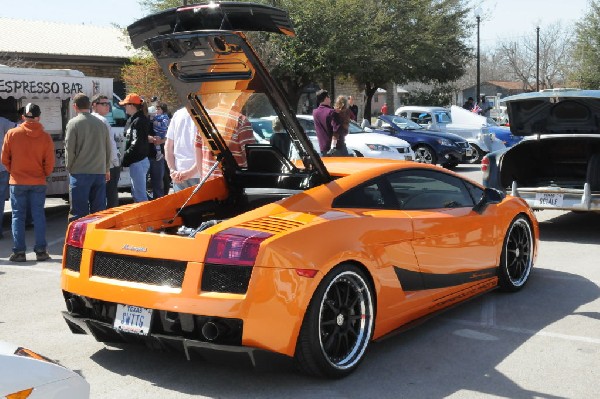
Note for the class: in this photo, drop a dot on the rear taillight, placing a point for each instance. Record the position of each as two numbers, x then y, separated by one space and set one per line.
485 167
77 229
235 246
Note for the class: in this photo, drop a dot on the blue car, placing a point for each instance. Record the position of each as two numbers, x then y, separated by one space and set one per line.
502 133
446 149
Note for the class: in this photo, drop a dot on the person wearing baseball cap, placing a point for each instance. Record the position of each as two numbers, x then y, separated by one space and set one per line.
137 130
28 155
133 99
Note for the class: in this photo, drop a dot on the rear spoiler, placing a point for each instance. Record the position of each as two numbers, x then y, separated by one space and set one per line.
232 16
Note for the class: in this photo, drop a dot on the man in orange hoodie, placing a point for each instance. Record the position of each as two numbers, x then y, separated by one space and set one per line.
28 155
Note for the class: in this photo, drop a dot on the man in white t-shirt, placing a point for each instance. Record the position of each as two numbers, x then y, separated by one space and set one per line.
180 150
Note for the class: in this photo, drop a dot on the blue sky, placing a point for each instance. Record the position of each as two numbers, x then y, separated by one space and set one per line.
503 19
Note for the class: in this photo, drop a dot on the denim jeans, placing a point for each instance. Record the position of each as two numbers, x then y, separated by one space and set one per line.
112 187
4 176
87 194
157 171
138 171
186 183
22 197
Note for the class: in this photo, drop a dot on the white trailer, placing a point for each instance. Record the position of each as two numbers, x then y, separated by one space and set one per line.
53 90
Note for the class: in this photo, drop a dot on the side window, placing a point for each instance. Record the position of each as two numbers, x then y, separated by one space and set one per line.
424 118
475 191
428 189
366 196
308 126
403 114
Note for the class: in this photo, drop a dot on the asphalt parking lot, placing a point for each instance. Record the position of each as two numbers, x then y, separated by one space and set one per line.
542 342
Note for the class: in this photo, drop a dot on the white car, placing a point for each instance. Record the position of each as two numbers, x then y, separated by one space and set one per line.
26 374
364 144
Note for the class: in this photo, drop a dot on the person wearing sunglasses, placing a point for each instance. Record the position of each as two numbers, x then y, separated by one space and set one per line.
100 108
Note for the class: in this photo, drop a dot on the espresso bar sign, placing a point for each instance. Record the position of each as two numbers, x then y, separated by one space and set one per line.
29 86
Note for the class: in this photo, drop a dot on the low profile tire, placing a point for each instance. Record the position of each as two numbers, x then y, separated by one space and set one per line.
478 154
517 255
593 172
424 154
338 324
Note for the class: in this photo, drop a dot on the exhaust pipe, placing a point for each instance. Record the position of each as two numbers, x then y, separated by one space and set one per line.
74 306
210 331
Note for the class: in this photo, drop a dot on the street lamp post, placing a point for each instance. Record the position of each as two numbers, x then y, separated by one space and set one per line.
478 93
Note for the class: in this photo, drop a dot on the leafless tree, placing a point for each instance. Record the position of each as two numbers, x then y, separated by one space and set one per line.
555 48
15 61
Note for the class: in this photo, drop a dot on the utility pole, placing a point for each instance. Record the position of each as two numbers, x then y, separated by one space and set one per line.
537 61
478 93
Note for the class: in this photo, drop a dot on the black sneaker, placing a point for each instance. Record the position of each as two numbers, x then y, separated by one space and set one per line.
17 257
42 256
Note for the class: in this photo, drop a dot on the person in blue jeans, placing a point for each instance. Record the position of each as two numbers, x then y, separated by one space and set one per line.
87 159
5 126
160 123
137 130
28 155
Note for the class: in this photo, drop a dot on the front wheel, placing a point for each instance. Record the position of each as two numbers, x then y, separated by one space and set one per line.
517 255
338 324
478 154
424 154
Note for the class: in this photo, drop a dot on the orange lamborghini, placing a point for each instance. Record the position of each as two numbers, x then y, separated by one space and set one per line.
276 248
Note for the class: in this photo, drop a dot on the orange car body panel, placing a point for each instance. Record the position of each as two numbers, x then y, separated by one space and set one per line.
310 234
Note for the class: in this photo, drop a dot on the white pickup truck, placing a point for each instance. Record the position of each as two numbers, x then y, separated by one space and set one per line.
441 119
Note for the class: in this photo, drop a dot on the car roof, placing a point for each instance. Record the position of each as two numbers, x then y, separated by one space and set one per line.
421 108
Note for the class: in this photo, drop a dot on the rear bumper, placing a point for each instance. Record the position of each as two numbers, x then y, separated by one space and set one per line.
104 332
558 198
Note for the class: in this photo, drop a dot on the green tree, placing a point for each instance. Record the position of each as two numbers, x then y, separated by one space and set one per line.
586 53
372 41
144 76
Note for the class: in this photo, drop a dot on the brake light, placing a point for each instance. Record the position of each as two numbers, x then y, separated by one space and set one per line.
235 246
77 230
485 167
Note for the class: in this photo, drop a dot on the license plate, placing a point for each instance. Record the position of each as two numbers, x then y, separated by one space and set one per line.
133 319
408 158
548 200
469 152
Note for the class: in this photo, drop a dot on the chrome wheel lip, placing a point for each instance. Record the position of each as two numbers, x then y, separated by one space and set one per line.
519 252
363 336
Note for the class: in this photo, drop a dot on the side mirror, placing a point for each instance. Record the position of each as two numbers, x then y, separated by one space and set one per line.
490 196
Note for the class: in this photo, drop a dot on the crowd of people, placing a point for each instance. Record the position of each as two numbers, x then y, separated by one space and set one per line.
155 143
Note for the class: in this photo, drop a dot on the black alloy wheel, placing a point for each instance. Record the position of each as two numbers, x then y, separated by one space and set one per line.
338 324
517 255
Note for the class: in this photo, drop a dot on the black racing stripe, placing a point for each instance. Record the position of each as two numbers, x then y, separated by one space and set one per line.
415 281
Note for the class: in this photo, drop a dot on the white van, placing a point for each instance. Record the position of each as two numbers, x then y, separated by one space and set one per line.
52 90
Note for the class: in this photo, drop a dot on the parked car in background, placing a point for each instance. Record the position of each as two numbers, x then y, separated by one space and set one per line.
464 117
26 374
441 119
364 144
359 142
557 165
432 147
